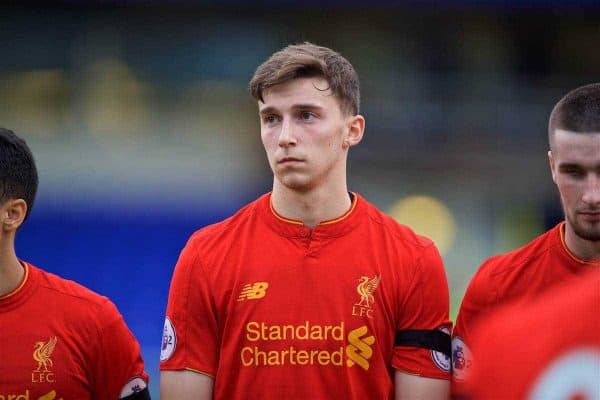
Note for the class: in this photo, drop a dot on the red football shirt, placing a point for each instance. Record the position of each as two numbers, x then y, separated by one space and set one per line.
516 277
272 309
548 350
59 340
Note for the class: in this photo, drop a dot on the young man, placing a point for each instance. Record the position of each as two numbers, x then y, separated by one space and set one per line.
549 350
58 339
309 292
568 250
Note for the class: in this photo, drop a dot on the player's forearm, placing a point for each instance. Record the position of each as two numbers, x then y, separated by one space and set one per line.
185 385
412 387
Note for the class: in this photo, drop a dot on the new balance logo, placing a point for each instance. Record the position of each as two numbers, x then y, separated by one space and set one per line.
253 291
359 350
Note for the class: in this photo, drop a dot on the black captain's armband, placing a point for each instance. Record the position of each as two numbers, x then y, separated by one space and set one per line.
141 395
429 339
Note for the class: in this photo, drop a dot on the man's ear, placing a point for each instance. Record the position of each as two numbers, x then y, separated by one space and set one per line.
551 162
12 214
356 129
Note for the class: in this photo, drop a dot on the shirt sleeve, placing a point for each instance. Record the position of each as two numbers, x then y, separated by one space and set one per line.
190 334
479 296
425 307
118 364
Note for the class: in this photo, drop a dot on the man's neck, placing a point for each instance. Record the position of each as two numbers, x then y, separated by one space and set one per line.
311 207
11 270
586 250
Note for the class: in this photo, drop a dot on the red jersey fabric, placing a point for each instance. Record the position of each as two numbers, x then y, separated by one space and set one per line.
547 350
272 309
516 277
60 340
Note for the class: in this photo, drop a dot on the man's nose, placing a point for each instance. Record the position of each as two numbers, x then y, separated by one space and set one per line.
286 134
591 194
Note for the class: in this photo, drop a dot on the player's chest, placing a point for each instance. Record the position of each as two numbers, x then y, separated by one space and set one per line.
39 361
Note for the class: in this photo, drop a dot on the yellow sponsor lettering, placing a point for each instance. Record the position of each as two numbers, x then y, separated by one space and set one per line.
259 331
246 362
274 333
252 331
16 396
357 346
337 357
255 357
273 358
301 331
316 332
337 332
302 357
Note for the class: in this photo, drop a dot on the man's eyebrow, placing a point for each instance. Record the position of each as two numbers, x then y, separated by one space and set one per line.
573 165
301 106
266 110
569 165
307 106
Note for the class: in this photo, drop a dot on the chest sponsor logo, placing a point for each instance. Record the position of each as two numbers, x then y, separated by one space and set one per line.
42 353
359 349
27 396
301 345
365 289
253 291
50 396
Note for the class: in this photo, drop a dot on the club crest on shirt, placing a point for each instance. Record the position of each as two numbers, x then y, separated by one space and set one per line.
365 288
461 359
42 352
169 341
441 360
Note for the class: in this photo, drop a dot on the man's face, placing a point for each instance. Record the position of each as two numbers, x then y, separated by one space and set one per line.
304 133
575 165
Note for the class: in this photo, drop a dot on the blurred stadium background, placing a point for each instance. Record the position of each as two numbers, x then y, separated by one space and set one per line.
139 118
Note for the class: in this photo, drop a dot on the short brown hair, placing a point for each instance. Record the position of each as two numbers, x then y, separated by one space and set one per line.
309 60
578 111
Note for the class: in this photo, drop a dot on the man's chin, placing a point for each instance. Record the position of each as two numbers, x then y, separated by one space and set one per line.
591 234
296 184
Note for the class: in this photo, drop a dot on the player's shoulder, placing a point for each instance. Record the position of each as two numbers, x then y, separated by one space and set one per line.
522 257
78 298
403 234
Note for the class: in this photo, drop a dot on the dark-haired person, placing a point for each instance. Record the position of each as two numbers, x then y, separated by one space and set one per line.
309 292
565 252
58 340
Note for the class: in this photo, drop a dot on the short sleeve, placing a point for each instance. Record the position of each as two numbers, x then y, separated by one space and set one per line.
190 334
479 296
118 364
425 306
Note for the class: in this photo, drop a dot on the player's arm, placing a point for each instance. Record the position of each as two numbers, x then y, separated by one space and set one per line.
412 387
185 385
118 364
476 303
190 345
422 341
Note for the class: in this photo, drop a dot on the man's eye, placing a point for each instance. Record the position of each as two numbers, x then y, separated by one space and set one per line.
270 119
574 172
307 115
